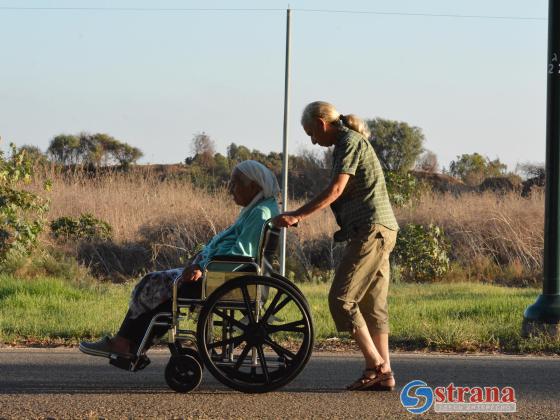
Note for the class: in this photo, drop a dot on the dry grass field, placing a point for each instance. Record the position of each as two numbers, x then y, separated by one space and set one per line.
159 223
491 234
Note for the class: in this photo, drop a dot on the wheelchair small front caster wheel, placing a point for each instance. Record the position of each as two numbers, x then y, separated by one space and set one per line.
188 351
183 373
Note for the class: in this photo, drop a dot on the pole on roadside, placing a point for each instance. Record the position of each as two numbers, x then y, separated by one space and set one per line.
285 145
544 315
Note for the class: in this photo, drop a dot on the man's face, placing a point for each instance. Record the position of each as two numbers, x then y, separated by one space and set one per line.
315 129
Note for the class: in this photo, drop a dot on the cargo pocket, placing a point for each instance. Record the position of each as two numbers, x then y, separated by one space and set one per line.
387 238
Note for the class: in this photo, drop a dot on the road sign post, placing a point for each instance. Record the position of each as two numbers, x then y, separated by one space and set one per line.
544 315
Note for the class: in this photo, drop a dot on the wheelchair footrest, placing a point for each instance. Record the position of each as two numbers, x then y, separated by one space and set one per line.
131 364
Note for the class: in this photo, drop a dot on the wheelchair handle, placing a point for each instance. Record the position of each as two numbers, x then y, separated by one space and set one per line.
271 225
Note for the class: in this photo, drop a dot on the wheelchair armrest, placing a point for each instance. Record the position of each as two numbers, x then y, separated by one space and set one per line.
232 258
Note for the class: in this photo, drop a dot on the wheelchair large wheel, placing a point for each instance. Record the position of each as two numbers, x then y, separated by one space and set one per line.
293 286
255 345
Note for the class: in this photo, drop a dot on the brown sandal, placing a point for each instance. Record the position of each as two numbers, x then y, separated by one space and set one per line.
368 383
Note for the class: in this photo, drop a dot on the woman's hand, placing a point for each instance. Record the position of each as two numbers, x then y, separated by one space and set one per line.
285 220
191 273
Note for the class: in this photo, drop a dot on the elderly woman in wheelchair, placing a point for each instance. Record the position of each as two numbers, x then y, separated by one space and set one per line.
227 310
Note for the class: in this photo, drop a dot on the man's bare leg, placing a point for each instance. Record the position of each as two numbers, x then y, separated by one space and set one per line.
381 342
371 355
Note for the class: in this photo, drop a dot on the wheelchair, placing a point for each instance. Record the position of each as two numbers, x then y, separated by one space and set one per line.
251 327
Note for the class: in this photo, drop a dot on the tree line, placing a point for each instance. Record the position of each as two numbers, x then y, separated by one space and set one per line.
398 145
87 150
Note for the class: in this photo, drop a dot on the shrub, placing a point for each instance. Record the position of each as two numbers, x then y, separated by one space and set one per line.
46 262
21 211
402 188
85 227
421 253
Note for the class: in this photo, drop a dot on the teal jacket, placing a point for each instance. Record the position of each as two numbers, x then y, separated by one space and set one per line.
241 238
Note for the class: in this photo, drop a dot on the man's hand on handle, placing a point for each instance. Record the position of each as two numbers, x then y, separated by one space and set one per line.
286 220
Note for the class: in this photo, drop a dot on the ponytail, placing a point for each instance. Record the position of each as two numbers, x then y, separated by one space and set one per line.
353 122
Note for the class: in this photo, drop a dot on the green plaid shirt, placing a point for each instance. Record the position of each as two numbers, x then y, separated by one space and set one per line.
365 200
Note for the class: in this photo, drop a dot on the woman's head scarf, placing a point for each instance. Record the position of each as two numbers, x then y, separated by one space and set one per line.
262 176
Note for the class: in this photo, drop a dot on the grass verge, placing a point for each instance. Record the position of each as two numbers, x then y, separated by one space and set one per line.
459 317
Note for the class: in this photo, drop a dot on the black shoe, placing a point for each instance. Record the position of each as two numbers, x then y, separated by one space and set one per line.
101 348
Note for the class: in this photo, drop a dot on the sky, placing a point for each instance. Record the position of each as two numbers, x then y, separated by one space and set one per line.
155 78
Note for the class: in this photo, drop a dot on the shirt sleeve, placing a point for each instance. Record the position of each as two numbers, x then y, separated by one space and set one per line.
247 243
211 247
346 157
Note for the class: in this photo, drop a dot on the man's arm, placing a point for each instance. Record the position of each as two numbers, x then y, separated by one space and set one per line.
325 198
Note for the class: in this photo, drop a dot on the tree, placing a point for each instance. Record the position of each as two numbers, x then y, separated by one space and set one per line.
307 174
473 168
222 169
203 149
106 150
232 151
237 153
90 150
531 170
95 150
64 149
427 162
396 143
33 154
126 154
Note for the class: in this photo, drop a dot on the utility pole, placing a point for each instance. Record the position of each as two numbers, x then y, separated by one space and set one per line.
285 147
544 315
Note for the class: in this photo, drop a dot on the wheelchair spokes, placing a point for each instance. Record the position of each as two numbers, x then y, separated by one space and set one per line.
295 327
274 307
249 305
281 351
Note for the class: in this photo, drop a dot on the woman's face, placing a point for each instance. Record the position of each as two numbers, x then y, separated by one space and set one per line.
242 189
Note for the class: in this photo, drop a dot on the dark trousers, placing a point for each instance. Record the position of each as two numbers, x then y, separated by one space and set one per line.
134 329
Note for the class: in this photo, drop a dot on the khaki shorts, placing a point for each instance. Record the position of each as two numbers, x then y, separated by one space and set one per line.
358 295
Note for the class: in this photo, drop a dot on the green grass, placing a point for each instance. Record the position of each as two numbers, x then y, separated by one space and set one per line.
54 310
447 317
464 317
444 317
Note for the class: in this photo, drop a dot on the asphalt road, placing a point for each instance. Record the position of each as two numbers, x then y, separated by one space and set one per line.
63 383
